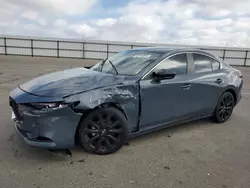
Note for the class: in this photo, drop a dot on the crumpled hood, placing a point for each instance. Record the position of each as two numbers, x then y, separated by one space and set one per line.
68 82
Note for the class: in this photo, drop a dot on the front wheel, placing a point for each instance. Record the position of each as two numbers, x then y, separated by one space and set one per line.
103 131
224 108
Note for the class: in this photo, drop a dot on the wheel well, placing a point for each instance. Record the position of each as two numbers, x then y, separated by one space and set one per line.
114 105
233 93
104 105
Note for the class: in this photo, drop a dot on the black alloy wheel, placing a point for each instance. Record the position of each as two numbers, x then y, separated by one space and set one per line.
103 131
224 108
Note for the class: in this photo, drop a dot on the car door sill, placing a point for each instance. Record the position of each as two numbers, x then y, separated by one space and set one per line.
164 125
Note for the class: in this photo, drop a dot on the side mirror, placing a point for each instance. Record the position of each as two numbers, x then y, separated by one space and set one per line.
163 74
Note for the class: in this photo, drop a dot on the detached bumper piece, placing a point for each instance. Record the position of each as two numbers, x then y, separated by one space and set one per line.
53 129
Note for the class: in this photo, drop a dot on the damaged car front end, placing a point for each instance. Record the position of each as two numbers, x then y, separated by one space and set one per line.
48 109
43 124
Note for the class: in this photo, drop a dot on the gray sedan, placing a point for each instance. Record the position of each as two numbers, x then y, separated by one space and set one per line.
131 93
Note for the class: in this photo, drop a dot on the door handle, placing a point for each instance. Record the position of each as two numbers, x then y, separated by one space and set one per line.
218 81
186 86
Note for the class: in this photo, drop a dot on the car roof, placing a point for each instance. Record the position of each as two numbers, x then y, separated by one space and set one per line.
171 50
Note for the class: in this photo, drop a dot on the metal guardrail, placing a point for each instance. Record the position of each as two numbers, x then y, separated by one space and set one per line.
99 49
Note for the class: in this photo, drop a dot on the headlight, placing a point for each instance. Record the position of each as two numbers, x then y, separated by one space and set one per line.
52 106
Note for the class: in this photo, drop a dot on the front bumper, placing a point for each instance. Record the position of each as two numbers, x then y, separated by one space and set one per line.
27 137
52 130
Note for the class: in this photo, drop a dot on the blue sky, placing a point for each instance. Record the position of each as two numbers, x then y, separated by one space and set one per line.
203 22
113 3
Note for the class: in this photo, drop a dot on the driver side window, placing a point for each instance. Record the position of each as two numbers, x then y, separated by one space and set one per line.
176 64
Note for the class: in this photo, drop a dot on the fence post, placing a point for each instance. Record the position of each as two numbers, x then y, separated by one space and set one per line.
245 60
224 53
31 43
57 49
107 50
83 49
5 46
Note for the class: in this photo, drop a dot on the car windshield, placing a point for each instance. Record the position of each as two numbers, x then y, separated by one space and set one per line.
129 62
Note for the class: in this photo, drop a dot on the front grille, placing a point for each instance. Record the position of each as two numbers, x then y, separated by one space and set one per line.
16 109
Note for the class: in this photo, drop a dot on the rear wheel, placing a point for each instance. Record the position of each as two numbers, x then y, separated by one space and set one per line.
224 108
103 131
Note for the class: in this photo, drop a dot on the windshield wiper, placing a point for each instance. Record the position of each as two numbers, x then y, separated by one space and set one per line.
103 62
113 67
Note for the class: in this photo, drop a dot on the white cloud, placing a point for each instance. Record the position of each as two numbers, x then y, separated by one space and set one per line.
7 13
205 22
238 7
70 7
84 30
31 15
201 23
60 23
106 22
41 21
65 7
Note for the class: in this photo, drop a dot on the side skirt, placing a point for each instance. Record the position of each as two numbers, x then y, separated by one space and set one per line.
164 125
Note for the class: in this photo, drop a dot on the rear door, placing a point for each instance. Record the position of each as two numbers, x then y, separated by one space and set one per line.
207 83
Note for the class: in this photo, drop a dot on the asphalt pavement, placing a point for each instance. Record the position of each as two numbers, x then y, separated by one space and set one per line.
199 154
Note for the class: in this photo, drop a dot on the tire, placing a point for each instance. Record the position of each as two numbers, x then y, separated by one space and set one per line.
224 107
106 137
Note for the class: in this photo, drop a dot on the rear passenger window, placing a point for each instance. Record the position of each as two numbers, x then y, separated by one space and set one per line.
202 63
215 64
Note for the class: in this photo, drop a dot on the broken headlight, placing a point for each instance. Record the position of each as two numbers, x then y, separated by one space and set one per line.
53 105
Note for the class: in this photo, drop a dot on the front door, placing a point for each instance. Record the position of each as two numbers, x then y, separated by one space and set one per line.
168 99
